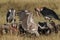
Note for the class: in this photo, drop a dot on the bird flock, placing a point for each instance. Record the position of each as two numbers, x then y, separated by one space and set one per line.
27 24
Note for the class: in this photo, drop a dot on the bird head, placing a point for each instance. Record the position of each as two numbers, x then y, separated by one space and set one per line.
37 10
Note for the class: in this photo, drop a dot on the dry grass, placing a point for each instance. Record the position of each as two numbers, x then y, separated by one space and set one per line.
30 5
41 37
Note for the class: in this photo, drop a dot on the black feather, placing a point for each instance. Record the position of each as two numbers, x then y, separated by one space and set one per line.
50 13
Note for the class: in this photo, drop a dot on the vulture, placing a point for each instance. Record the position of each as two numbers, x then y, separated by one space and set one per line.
47 13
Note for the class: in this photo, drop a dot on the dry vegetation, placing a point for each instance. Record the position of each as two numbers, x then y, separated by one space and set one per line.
30 5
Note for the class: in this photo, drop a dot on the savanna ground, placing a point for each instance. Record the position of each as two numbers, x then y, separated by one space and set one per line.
30 5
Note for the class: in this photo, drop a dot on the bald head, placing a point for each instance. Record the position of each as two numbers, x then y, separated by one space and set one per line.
38 9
